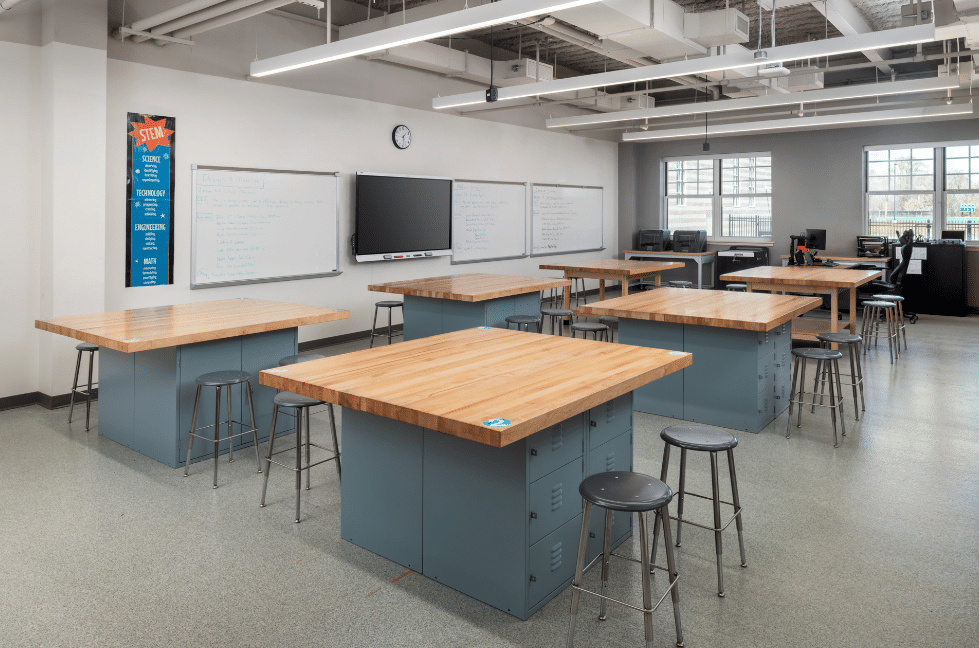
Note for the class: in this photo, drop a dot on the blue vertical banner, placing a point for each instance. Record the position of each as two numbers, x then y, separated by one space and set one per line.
149 200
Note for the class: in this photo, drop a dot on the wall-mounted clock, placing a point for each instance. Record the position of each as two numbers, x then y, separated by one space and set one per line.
401 136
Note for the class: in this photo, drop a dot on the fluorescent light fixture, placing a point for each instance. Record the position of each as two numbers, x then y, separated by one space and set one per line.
454 22
812 96
813 49
803 122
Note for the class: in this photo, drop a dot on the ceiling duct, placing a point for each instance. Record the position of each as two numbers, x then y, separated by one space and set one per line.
715 28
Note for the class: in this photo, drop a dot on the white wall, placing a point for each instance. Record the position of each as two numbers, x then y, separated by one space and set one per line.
230 122
20 67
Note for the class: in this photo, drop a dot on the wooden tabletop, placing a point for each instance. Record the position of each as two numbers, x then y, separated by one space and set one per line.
803 276
455 382
614 267
668 252
720 308
157 327
471 287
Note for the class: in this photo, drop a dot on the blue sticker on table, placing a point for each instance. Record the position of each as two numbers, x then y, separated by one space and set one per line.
485 328
149 200
497 423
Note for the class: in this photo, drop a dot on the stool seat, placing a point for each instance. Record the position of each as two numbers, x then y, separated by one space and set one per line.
737 286
879 304
86 346
285 399
302 357
222 378
817 354
625 491
389 304
680 284
556 312
608 319
522 319
840 337
893 298
589 326
699 437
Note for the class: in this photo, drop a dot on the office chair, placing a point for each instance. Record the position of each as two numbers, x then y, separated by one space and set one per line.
896 277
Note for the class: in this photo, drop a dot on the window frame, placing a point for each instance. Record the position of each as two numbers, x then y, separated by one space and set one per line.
717 197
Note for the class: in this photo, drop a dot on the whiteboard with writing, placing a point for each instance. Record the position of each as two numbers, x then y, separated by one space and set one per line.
257 225
489 221
566 219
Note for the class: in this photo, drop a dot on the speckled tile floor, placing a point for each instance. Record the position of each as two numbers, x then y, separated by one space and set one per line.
875 543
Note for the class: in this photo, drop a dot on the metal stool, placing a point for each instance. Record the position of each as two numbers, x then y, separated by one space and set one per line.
872 311
852 343
634 493
609 320
590 327
302 357
703 438
823 357
218 380
899 300
301 405
84 347
680 284
737 287
390 305
575 283
556 314
523 320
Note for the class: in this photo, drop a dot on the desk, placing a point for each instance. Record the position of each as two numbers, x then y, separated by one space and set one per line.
877 262
454 302
149 360
610 269
809 279
700 258
733 337
492 512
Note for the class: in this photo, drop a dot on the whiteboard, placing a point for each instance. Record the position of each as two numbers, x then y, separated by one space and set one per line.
257 225
566 219
489 220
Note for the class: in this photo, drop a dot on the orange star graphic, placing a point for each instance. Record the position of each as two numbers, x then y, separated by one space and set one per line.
151 133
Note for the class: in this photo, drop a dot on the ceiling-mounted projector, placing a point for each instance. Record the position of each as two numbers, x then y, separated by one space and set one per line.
773 70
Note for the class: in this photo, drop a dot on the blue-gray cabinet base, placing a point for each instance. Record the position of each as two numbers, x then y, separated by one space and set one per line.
426 316
498 524
738 380
146 399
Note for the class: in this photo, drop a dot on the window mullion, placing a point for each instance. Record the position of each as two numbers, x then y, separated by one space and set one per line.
716 209
940 190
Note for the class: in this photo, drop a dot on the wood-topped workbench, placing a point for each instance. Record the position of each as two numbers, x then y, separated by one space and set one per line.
149 360
437 305
809 279
741 343
463 452
610 269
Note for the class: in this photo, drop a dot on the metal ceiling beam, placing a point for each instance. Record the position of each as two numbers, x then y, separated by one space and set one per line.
845 17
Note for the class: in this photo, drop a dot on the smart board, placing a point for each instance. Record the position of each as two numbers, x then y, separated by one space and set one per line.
258 225
489 220
566 219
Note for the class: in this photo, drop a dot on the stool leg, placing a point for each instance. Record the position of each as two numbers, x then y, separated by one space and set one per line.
904 329
815 384
88 401
251 414
656 521
839 393
268 457
863 402
336 446
217 426
373 326
579 568
664 514
683 486
802 388
832 412
795 383
299 456
193 425
390 329
607 560
231 430
308 460
647 598
74 386
853 379
718 542
737 504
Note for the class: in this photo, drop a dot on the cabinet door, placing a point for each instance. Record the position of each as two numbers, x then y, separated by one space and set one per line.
610 420
551 561
554 447
611 455
554 500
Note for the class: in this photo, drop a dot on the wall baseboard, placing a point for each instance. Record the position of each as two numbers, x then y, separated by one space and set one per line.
44 400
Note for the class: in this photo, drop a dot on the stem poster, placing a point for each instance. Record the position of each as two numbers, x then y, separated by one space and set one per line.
149 200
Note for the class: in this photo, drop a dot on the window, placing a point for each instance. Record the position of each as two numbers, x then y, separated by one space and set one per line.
927 189
728 196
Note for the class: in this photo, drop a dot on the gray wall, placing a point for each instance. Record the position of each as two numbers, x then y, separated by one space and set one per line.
816 177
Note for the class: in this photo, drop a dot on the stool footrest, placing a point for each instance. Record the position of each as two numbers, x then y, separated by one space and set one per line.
231 436
629 605
294 469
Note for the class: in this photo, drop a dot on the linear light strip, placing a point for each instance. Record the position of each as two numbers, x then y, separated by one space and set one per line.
813 49
811 96
803 122
421 30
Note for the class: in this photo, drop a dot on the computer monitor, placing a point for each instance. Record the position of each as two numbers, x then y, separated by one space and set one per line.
689 240
953 234
816 239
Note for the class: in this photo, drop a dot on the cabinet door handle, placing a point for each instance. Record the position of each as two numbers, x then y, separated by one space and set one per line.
533 452
533 516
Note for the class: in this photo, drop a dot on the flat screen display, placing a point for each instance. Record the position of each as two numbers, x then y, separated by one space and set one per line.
402 217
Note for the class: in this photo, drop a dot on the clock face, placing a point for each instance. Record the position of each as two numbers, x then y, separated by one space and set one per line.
401 137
